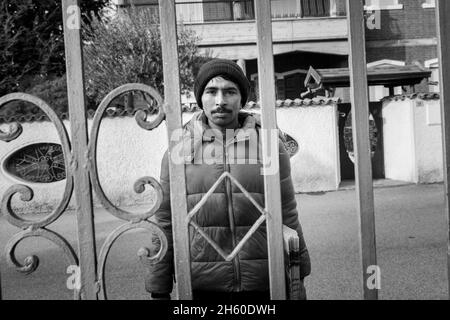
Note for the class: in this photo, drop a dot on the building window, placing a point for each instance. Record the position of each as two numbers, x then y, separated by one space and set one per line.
383 5
429 4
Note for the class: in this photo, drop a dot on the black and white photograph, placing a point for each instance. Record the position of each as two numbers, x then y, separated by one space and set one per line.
224 156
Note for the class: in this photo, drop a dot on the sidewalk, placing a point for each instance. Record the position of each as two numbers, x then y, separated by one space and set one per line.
379 183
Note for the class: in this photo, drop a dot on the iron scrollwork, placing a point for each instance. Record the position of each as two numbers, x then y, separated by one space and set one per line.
36 228
134 221
15 130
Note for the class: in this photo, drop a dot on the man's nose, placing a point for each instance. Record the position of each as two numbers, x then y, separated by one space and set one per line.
220 99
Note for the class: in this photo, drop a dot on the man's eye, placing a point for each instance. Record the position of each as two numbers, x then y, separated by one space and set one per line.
210 91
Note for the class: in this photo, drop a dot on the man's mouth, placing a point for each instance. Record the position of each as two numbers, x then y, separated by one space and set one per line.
221 115
221 112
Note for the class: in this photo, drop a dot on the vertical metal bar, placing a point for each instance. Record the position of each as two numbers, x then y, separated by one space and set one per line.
360 118
443 32
172 98
79 161
269 125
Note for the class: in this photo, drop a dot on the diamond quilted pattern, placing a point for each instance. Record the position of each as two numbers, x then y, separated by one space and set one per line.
230 256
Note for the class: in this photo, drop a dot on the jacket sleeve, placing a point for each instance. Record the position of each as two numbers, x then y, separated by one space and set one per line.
289 208
160 276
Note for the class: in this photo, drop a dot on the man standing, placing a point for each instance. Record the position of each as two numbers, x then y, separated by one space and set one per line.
222 138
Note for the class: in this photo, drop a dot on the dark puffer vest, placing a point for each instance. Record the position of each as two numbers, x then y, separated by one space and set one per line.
227 215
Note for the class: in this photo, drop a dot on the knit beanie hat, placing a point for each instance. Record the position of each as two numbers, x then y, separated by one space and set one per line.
216 68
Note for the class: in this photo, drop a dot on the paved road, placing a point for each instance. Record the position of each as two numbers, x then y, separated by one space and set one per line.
411 243
411 240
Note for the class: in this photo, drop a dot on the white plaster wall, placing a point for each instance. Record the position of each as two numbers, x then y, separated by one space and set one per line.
126 153
316 166
428 142
398 139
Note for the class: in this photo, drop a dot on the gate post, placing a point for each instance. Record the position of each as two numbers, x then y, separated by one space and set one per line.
443 33
269 125
79 162
177 171
363 166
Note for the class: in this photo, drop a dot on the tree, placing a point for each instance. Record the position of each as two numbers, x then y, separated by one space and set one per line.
32 41
127 48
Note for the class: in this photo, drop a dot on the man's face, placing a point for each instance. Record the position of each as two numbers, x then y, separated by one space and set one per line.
221 101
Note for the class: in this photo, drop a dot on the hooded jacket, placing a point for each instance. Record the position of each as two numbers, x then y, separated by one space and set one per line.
228 214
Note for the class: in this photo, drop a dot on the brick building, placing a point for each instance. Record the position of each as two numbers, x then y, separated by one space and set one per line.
406 34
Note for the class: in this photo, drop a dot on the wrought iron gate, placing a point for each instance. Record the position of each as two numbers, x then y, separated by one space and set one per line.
81 163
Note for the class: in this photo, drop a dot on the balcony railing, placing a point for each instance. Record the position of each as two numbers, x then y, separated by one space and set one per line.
228 10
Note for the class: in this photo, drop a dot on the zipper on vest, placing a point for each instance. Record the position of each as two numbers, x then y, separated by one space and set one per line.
229 197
